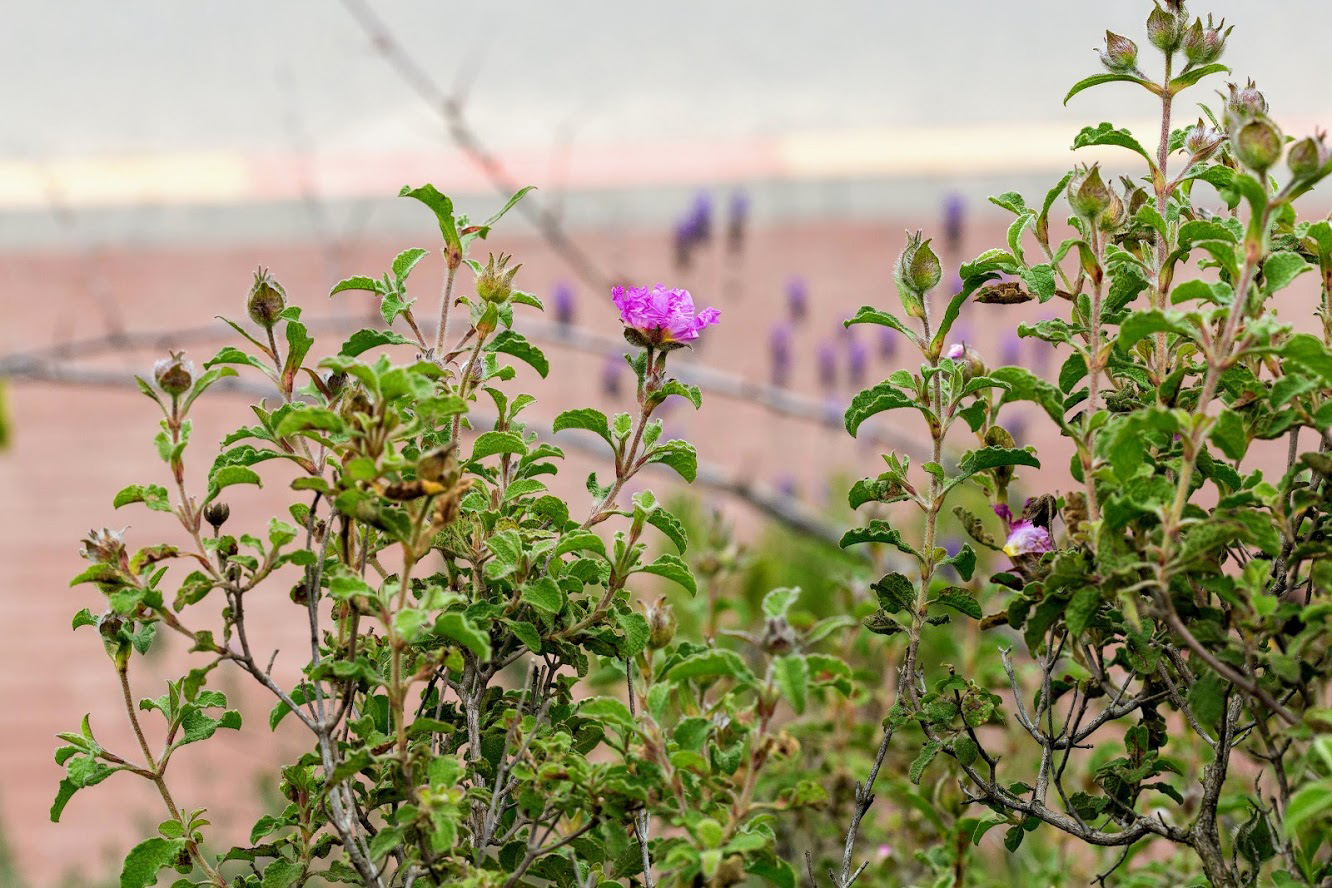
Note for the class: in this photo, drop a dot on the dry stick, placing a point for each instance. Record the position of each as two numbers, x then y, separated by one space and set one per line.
765 499
450 108
710 379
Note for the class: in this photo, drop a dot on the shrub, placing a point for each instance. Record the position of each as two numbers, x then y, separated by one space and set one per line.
1171 603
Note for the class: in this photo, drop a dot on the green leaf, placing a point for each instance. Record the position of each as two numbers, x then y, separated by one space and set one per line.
584 418
1106 134
442 208
679 455
1141 324
510 343
923 759
1309 352
966 750
403 264
671 526
673 568
491 443
896 593
607 710
872 401
1282 267
282 873
301 419
1207 698
1098 79
1229 435
363 340
960 599
1081 608
792 675
993 458
146 859
877 531
719 663
869 315
457 627
359 282
579 541
509 204
1307 804
227 476
151 495
777 602
1192 75
544 594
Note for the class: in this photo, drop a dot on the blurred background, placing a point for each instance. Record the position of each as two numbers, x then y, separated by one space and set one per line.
766 154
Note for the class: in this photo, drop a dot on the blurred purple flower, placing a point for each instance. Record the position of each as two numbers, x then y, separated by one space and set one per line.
787 486
693 229
1010 350
857 361
563 302
827 365
1017 427
612 368
662 314
888 342
737 220
797 298
954 219
779 345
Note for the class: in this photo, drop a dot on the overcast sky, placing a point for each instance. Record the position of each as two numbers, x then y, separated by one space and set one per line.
86 77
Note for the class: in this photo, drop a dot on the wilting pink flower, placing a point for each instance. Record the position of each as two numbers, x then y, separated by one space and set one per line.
956 351
662 314
1024 538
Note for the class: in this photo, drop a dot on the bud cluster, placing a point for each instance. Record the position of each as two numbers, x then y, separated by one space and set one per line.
267 299
495 281
1095 201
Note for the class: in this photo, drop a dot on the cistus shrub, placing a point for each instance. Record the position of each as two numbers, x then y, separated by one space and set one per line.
1120 677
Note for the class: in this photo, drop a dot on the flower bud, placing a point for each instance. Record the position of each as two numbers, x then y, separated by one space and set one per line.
1204 45
495 283
335 382
1307 156
105 546
778 636
661 624
1243 105
916 273
1120 54
440 466
174 375
966 358
1088 195
1201 140
1114 216
266 300
1257 144
216 513
1166 28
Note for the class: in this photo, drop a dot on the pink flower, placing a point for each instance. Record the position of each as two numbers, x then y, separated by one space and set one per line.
662 315
1024 538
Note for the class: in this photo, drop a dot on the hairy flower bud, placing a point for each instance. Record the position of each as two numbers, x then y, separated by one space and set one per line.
266 300
1201 140
1114 216
967 358
1120 54
495 282
440 466
216 513
1257 144
916 273
1204 45
105 546
1307 156
1088 195
661 624
1243 104
174 375
1166 27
